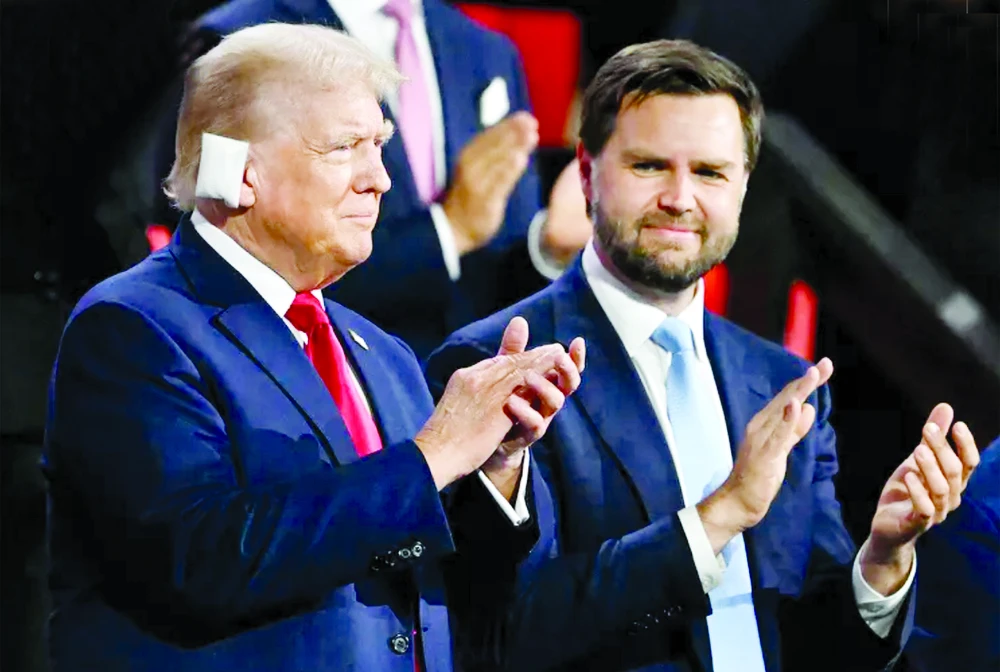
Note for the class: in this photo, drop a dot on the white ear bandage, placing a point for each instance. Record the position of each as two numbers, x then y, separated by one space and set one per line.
220 168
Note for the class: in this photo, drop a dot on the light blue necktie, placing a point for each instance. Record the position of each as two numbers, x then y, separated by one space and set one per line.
704 461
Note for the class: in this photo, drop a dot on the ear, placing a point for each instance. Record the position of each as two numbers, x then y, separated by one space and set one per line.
248 190
586 162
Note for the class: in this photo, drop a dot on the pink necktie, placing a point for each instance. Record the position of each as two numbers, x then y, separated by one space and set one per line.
414 112
327 355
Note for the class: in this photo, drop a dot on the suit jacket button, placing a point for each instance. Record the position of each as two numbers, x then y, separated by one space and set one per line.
399 643
404 554
418 549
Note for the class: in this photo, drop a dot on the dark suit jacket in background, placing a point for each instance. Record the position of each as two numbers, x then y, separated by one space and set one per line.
208 509
404 287
623 592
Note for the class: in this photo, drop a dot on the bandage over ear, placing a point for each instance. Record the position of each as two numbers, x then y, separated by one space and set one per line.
220 168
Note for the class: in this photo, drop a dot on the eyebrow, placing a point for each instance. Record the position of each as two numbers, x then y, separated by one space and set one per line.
638 155
714 164
387 130
352 137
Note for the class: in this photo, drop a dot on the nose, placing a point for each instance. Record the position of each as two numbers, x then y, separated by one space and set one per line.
371 175
677 193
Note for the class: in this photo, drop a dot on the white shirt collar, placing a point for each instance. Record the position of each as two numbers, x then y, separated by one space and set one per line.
272 287
633 318
351 12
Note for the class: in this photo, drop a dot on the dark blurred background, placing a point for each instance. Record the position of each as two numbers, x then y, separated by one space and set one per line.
879 187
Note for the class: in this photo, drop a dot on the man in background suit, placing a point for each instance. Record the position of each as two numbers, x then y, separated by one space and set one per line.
243 475
452 242
698 527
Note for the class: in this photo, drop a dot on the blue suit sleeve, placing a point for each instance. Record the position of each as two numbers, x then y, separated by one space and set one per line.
138 450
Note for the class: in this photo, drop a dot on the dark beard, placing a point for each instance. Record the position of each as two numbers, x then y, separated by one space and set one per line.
643 268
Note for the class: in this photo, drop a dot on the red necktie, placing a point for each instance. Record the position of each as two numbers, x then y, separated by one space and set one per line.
327 355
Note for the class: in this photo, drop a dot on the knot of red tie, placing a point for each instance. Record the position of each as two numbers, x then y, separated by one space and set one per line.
327 354
306 313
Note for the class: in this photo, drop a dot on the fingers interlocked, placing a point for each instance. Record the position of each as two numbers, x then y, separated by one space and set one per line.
543 378
547 378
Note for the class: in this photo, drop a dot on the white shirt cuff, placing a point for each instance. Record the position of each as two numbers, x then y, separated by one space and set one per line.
543 263
878 611
518 513
446 238
709 565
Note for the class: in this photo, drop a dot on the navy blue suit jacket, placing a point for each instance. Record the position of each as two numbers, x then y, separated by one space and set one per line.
208 509
404 287
621 590
957 624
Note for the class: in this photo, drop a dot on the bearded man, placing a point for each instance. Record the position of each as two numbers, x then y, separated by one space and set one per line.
697 523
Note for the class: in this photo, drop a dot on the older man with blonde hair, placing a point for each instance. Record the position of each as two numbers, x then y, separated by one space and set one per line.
243 475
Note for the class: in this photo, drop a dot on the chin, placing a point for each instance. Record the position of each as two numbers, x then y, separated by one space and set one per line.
343 265
672 257
359 255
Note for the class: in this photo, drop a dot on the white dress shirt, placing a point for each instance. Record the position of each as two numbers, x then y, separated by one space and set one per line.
279 295
634 321
365 20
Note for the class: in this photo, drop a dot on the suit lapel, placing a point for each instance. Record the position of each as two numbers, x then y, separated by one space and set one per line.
265 339
742 389
614 398
372 374
246 319
746 387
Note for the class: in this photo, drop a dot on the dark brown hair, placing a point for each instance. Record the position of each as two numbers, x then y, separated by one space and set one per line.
667 67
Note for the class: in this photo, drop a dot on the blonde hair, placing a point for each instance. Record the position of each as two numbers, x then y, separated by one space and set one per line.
226 91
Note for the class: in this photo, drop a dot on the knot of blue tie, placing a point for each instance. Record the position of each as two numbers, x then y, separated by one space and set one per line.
674 335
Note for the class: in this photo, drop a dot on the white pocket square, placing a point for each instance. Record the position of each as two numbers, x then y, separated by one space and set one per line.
494 104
